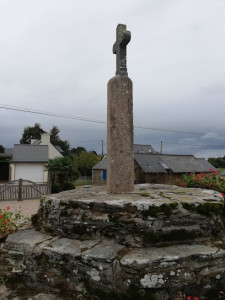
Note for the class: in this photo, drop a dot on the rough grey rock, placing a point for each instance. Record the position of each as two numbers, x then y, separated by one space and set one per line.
157 240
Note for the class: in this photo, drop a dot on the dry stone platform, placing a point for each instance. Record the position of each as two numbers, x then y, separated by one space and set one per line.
148 244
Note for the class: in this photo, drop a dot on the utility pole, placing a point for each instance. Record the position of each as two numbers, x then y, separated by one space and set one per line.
102 148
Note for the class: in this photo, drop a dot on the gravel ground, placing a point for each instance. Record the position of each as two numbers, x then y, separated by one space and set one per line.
27 207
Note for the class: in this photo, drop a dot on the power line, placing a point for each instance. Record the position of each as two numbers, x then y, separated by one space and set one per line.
200 145
34 111
50 114
170 130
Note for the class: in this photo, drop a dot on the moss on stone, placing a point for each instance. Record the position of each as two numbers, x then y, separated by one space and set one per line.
206 208
165 209
82 250
145 194
74 204
122 252
42 199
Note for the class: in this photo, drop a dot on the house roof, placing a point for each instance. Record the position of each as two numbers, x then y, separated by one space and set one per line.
102 165
161 163
38 142
143 149
206 164
30 154
59 149
150 163
5 155
176 163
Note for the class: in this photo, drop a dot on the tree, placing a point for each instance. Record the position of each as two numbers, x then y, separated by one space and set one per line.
62 169
56 141
78 150
2 149
85 161
30 133
217 162
36 131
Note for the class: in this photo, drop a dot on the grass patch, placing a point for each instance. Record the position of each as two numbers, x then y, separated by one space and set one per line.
83 182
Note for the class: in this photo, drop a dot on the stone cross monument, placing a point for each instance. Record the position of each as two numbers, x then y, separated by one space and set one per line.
120 156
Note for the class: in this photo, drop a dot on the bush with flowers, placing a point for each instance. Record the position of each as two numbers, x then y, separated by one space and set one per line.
10 222
211 180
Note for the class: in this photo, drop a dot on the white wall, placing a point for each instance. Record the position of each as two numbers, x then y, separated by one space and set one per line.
52 151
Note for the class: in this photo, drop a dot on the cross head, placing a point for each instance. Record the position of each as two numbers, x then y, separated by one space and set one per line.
119 48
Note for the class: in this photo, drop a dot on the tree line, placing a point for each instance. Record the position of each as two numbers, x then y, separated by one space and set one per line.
217 162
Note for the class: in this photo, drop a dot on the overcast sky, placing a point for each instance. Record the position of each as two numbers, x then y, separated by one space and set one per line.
56 56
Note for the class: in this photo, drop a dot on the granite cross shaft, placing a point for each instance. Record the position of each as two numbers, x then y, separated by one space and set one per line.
120 137
119 48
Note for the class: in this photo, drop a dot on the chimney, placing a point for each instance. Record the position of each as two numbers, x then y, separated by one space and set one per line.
45 139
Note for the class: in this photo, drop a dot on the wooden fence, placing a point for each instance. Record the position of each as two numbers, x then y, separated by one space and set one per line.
23 189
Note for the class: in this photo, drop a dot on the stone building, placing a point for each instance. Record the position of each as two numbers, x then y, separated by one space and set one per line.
151 167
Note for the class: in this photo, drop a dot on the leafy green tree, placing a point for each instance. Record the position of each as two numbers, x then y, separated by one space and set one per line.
62 169
36 131
2 149
85 161
30 133
217 162
78 150
56 141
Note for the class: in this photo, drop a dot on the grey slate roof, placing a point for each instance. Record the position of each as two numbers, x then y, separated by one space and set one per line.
206 164
150 163
175 163
102 165
5 155
143 149
160 163
58 148
36 143
30 154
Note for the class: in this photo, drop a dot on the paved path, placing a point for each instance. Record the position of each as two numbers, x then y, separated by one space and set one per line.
27 207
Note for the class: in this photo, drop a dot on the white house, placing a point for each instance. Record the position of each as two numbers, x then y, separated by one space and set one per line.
28 161
53 151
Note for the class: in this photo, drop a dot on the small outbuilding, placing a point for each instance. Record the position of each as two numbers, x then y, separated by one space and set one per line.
151 167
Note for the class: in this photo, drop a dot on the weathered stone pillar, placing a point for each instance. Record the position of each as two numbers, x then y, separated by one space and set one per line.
120 156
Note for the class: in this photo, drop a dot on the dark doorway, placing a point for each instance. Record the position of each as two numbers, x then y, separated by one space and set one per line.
4 170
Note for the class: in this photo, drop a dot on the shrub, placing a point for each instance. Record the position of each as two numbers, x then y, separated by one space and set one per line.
54 187
210 180
68 185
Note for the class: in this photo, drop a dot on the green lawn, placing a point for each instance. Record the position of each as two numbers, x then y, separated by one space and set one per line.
83 182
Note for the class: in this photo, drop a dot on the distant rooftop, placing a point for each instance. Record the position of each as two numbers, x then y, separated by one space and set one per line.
30 153
162 163
143 149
